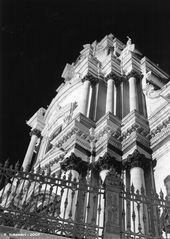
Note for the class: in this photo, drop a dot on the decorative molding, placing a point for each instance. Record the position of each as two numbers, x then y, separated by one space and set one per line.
93 80
117 79
74 163
136 159
107 163
143 132
151 93
69 116
160 127
134 74
54 161
113 185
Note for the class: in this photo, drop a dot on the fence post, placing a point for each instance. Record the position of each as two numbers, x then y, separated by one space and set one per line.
113 206
167 207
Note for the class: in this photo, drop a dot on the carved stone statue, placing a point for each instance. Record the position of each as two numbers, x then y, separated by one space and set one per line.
115 49
129 41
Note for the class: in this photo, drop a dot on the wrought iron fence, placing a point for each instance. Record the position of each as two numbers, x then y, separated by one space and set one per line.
50 203
71 206
144 216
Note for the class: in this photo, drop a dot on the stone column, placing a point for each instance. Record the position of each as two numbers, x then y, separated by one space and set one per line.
133 94
110 95
88 79
137 162
93 101
115 99
71 206
35 134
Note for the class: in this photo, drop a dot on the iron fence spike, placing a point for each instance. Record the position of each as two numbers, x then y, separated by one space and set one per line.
6 164
17 164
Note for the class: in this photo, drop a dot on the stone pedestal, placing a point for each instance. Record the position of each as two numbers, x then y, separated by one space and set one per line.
113 206
109 202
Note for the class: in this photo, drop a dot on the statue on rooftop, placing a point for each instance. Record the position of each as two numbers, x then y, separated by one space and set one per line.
129 41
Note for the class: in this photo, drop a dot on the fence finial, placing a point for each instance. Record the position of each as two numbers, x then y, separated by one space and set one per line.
6 164
17 164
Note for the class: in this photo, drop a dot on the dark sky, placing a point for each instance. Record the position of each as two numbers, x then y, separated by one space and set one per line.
40 36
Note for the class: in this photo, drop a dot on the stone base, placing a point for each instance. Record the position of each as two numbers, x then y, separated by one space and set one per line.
16 233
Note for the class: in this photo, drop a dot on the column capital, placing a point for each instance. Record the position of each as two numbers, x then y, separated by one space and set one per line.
93 80
107 162
134 74
35 132
74 163
136 159
117 79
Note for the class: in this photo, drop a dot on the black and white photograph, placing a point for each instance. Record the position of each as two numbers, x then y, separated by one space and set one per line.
85 119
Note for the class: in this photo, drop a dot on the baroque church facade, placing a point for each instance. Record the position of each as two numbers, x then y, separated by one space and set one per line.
113 100
110 116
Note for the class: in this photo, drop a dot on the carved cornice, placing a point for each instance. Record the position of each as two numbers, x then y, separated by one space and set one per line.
74 131
134 74
107 162
136 159
93 80
66 136
35 132
135 128
108 131
52 162
160 127
74 163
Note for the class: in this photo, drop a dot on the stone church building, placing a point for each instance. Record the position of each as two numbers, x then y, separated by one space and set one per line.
106 137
